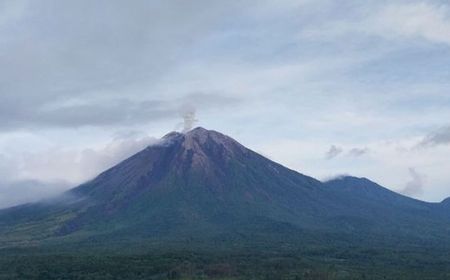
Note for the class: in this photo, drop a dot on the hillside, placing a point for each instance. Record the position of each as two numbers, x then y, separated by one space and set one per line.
203 188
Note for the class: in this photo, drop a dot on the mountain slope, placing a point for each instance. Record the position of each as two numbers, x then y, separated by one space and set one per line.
390 213
205 186
185 184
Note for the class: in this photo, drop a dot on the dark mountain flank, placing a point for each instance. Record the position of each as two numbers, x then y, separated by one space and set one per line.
203 187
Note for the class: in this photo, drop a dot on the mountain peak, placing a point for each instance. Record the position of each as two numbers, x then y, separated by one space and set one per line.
203 133
200 136
198 130
199 133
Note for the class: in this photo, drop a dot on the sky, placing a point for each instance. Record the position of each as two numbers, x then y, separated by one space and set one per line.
325 87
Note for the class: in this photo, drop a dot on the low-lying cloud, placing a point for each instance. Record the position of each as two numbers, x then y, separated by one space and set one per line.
75 165
34 176
25 191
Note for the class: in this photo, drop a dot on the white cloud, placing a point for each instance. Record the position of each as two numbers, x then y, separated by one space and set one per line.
77 165
25 191
393 20
30 176
414 20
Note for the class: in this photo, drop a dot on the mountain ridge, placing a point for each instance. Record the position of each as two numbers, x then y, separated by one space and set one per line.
203 185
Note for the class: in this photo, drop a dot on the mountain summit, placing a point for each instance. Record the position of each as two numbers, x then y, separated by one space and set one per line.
202 186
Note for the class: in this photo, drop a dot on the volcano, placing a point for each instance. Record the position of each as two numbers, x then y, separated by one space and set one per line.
203 187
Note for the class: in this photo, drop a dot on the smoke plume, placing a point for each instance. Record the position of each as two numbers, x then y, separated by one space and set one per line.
189 120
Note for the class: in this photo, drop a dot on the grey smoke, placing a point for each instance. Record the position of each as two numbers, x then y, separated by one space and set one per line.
333 152
415 186
438 137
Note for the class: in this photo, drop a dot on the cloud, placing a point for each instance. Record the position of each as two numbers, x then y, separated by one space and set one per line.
33 176
394 21
328 178
436 138
357 152
78 165
25 191
416 184
429 21
104 112
82 63
333 152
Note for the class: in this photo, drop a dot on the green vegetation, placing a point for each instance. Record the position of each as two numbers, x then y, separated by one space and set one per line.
317 263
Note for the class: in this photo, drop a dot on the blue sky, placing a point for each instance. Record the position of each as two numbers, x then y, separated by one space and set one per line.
324 87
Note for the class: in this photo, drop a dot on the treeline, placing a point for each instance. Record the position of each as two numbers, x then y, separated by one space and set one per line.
318 264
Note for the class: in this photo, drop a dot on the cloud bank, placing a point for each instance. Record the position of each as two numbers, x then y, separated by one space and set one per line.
35 176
